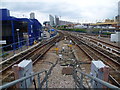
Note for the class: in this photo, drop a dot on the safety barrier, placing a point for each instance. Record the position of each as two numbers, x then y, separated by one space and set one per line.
79 80
15 48
77 75
37 77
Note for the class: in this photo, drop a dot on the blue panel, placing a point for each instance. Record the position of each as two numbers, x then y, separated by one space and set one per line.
37 28
34 27
13 36
30 30
5 13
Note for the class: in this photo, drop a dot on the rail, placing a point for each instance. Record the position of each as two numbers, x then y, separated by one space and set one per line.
111 78
79 83
40 84
23 79
14 48
20 46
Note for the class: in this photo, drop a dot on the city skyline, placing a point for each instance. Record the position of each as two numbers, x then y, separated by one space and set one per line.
75 11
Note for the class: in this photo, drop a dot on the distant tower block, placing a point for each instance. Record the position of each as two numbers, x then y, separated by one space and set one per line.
119 13
32 15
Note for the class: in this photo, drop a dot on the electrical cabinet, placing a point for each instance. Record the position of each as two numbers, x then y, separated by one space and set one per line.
101 71
24 69
115 37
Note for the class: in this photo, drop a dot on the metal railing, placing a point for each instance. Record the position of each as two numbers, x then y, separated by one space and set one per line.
12 49
19 47
79 80
40 83
38 78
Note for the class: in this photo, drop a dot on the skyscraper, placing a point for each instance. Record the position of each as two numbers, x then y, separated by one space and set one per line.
51 18
119 8
119 13
32 15
56 20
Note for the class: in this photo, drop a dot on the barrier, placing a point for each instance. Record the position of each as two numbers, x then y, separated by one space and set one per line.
40 83
23 45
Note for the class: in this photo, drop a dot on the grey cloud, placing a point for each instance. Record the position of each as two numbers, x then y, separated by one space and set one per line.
63 9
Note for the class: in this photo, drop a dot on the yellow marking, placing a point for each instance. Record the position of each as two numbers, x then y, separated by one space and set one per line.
69 45
56 49
35 42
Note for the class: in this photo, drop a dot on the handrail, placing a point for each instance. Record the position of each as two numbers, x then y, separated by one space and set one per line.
18 42
22 41
100 81
20 80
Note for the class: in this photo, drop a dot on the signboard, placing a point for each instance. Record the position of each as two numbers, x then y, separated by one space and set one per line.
2 41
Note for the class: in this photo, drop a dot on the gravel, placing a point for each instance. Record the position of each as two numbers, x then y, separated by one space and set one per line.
56 78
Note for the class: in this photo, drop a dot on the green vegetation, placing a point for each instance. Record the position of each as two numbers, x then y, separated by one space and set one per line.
107 33
77 30
96 29
62 27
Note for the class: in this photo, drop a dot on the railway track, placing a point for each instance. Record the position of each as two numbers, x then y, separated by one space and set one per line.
95 54
108 46
114 58
34 55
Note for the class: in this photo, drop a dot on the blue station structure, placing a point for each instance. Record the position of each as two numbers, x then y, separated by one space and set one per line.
18 30
52 32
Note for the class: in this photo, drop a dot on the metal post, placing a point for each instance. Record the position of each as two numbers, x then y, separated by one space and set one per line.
21 48
27 43
21 43
34 84
46 79
25 85
18 37
39 86
2 54
75 76
13 50
81 81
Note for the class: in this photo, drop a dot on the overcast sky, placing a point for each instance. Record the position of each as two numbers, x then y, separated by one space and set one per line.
70 10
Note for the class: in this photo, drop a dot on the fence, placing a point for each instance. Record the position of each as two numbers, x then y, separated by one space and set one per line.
12 49
38 81
79 76
44 82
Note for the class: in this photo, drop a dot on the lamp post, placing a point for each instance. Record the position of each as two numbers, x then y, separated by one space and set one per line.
18 37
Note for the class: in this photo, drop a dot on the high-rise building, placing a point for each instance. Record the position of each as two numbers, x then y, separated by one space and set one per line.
56 20
32 15
118 18
119 8
51 18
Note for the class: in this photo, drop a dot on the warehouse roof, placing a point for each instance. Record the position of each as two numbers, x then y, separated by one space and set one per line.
105 23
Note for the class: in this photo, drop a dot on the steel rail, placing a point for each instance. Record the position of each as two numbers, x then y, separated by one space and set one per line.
93 59
22 58
49 44
114 61
100 81
117 47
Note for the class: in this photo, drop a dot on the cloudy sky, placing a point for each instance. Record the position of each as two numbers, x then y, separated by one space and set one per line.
70 10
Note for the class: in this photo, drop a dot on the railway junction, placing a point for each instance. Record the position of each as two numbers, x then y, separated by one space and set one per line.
68 60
